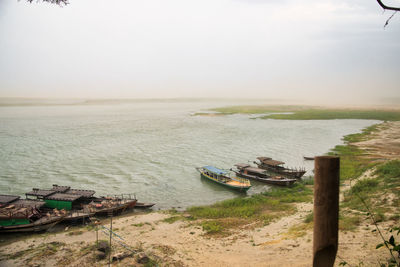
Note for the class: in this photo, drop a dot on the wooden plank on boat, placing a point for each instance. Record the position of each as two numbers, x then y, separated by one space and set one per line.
40 192
5 199
60 188
63 197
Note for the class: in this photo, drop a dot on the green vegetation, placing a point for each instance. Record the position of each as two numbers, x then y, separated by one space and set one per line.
348 223
38 252
259 209
328 114
309 113
172 219
212 227
353 161
75 233
309 218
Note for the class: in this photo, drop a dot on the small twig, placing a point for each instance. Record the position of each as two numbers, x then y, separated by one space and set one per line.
371 215
387 21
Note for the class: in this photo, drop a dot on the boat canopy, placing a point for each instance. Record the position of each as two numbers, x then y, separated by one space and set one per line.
242 165
28 203
255 170
263 158
63 197
40 192
81 192
271 162
60 188
5 199
215 170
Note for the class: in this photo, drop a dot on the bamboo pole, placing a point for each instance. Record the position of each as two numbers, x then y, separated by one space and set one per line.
326 210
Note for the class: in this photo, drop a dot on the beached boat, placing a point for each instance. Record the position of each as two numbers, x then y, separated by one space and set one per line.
277 167
222 177
22 215
308 158
141 205
246 171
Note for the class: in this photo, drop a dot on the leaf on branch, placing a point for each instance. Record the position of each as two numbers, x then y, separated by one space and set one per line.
391 241
379 245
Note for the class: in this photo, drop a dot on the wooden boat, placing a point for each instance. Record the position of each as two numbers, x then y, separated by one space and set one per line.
141 205
82 203
21 215
222 177
277 167
246 171
308 158
110 206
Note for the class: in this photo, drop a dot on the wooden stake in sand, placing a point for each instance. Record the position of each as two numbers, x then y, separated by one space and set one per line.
326 210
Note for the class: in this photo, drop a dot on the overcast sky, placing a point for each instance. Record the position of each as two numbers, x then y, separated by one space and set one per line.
309 49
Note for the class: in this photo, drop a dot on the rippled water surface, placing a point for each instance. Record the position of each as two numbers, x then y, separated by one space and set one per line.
149 148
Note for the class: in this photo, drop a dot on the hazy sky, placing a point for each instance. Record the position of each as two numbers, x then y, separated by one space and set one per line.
311 49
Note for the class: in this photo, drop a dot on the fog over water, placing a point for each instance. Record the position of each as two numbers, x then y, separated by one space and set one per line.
150 148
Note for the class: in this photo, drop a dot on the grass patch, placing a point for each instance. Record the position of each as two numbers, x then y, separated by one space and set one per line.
309 218
389 170
172 219
137 224
212 227
330 114
363 136
353 162
299 230
75 233
39 252
259 209
311 113
348 223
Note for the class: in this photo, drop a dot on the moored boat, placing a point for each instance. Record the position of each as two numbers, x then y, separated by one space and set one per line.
222 177
141 205
22 215
277 167
246 171
80 203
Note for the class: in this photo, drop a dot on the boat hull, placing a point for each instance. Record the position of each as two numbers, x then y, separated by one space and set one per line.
273 181
297 174
236 188
140 205
38 226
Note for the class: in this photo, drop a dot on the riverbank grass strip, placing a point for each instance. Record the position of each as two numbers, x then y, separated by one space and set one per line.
308 113
259 209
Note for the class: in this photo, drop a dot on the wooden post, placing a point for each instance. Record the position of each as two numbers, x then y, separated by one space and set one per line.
109 256
326 210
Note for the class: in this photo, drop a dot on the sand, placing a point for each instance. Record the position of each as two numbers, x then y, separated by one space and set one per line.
183 243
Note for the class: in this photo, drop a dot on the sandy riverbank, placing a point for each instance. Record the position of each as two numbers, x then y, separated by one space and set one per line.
285 242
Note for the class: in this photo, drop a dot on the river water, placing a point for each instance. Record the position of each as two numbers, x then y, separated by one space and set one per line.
149 148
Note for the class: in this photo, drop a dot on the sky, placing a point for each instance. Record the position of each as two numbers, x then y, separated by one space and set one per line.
322 50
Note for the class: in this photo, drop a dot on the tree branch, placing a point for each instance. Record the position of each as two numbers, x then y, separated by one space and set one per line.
387 7
57 2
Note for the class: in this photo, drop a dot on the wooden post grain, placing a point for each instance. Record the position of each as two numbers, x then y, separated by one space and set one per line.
326 210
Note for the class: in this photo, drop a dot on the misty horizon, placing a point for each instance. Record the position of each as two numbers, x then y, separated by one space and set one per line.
330 52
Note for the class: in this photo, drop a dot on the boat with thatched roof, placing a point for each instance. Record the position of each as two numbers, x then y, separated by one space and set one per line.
277 167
